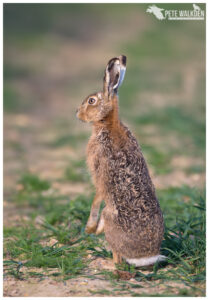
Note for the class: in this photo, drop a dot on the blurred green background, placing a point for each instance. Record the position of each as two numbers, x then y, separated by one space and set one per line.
54 56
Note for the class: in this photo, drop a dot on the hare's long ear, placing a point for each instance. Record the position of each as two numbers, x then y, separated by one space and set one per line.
114 75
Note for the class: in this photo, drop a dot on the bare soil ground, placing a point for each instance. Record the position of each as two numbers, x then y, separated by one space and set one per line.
85 287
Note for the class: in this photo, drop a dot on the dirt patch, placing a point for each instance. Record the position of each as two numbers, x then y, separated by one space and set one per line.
84 286
88 287
178 178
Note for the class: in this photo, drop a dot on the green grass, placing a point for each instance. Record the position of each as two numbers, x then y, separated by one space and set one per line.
64 222
182 201
14 101
175 119
195 169
31 183
11 99
100 292
159 160
188 131
184 243
72 140
13 72
77 172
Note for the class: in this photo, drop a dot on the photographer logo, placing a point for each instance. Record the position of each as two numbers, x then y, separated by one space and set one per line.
173 14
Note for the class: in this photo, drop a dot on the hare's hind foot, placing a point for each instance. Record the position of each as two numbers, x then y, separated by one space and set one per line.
111 264
146 261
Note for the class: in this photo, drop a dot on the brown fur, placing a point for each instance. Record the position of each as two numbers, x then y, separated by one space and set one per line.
133 221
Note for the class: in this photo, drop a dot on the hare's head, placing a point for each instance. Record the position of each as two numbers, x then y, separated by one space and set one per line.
97 106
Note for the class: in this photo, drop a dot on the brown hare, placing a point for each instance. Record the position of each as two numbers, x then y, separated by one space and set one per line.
132 219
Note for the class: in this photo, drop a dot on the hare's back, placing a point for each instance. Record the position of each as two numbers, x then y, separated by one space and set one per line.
129 180
128 184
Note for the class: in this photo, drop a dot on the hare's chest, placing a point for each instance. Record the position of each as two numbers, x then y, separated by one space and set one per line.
97 160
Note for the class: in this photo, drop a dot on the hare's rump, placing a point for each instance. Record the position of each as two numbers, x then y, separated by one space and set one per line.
144 241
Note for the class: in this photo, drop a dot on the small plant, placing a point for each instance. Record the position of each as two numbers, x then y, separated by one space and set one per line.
32 183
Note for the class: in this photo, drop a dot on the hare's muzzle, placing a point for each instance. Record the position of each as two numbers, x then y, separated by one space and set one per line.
78 113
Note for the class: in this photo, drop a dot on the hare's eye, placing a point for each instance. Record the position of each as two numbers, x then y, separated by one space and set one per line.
91 100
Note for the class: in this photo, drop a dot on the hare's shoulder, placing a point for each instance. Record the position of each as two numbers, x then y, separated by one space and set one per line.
113 146
108 151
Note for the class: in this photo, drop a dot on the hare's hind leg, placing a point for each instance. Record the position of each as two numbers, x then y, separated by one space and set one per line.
117 258
91 225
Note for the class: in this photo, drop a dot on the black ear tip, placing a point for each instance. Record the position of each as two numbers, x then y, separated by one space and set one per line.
123 59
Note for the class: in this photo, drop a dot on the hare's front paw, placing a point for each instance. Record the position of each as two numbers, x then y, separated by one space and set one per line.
91 226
